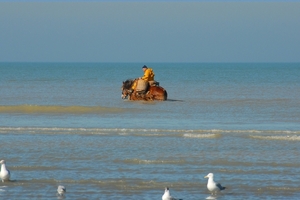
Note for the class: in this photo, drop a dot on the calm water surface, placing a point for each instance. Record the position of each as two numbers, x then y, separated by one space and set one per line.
65 123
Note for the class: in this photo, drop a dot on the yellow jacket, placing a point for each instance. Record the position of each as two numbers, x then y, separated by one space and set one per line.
148 75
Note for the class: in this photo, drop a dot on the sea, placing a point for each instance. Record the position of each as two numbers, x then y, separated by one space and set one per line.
66 124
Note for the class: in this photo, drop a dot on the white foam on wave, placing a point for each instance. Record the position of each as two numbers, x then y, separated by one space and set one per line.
286 137
2 190
140 161
197 133
209 135
211 197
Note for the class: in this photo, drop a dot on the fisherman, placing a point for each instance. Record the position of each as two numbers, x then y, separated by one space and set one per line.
148 76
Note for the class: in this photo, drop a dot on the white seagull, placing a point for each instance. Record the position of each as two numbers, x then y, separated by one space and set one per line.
5 173
167 195
61 190
212 186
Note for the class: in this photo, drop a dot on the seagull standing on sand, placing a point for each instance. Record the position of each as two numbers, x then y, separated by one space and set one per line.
212 186
167 195
61 190
5 173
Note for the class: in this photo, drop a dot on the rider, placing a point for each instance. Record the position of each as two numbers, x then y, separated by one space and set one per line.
148 76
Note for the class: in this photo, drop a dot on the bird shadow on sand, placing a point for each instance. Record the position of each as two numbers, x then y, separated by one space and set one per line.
8 181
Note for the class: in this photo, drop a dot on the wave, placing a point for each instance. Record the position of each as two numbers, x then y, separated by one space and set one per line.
209 135
33 168
140 161
199 133
215 131
57 109
113 183
142 185
275 137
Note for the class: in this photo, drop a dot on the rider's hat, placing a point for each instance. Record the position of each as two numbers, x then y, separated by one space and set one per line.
144 66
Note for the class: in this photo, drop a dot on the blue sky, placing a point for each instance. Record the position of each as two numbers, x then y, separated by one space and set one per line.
148 31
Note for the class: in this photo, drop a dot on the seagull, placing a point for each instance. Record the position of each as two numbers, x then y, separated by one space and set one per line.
61 190
5 173
212 186
167 195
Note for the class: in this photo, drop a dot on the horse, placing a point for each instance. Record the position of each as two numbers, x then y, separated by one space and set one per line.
154 92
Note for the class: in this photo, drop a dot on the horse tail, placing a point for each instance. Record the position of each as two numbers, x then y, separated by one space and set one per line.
165 95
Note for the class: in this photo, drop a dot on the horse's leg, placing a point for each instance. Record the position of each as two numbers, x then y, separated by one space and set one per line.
151 93
136 97
133 97
149 96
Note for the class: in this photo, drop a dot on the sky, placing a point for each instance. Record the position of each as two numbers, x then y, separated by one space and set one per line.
149 31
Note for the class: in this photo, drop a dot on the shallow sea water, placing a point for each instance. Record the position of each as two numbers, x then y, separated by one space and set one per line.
238 121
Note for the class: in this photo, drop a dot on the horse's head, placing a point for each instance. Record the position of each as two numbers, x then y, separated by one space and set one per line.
127 84
126 88
125 94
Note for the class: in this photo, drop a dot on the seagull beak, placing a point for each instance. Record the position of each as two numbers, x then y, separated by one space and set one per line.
205 177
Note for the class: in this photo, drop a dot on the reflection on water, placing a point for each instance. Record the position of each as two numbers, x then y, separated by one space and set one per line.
57 109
